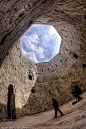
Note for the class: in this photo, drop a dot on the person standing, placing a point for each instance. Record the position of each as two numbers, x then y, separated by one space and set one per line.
55 105
13 114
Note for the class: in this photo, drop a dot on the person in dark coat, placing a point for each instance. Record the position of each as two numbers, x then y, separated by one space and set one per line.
13 114
55 105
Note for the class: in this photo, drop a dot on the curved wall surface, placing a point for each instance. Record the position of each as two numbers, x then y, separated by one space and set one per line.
49 79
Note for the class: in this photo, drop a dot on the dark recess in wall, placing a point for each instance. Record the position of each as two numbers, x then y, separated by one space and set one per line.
58 89
49 92
75 55
84 65
33 90
30 77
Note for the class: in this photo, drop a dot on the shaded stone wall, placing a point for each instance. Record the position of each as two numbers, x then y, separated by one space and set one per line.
15 70
15 18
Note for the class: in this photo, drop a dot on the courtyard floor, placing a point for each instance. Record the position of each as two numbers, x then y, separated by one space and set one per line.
74 118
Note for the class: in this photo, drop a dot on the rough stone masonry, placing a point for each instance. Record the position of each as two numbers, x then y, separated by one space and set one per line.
49 79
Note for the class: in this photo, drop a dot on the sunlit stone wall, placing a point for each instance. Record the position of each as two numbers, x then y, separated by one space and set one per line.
66 67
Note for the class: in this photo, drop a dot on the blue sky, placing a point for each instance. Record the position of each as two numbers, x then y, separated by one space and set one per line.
40 43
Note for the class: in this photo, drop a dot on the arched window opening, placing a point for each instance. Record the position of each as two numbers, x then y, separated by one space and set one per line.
33 90
30 77
77 88
49 92
75 56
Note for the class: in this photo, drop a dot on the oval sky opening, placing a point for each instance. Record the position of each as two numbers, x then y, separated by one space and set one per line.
40 43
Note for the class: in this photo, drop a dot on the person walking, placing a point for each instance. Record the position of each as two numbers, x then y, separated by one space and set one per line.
55 105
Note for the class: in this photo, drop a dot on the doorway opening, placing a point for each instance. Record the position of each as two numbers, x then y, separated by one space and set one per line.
11 100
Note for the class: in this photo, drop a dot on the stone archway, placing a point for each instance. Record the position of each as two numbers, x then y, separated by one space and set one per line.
76 85
11 100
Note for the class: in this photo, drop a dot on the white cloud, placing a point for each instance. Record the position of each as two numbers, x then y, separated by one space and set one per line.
45 38
40 52
32 38
32 56
34 51
31 41
52 31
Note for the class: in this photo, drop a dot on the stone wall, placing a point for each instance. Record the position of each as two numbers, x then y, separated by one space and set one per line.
49 79
15 70
15 18
58 77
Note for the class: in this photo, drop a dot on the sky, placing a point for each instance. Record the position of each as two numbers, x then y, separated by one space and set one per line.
40 43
